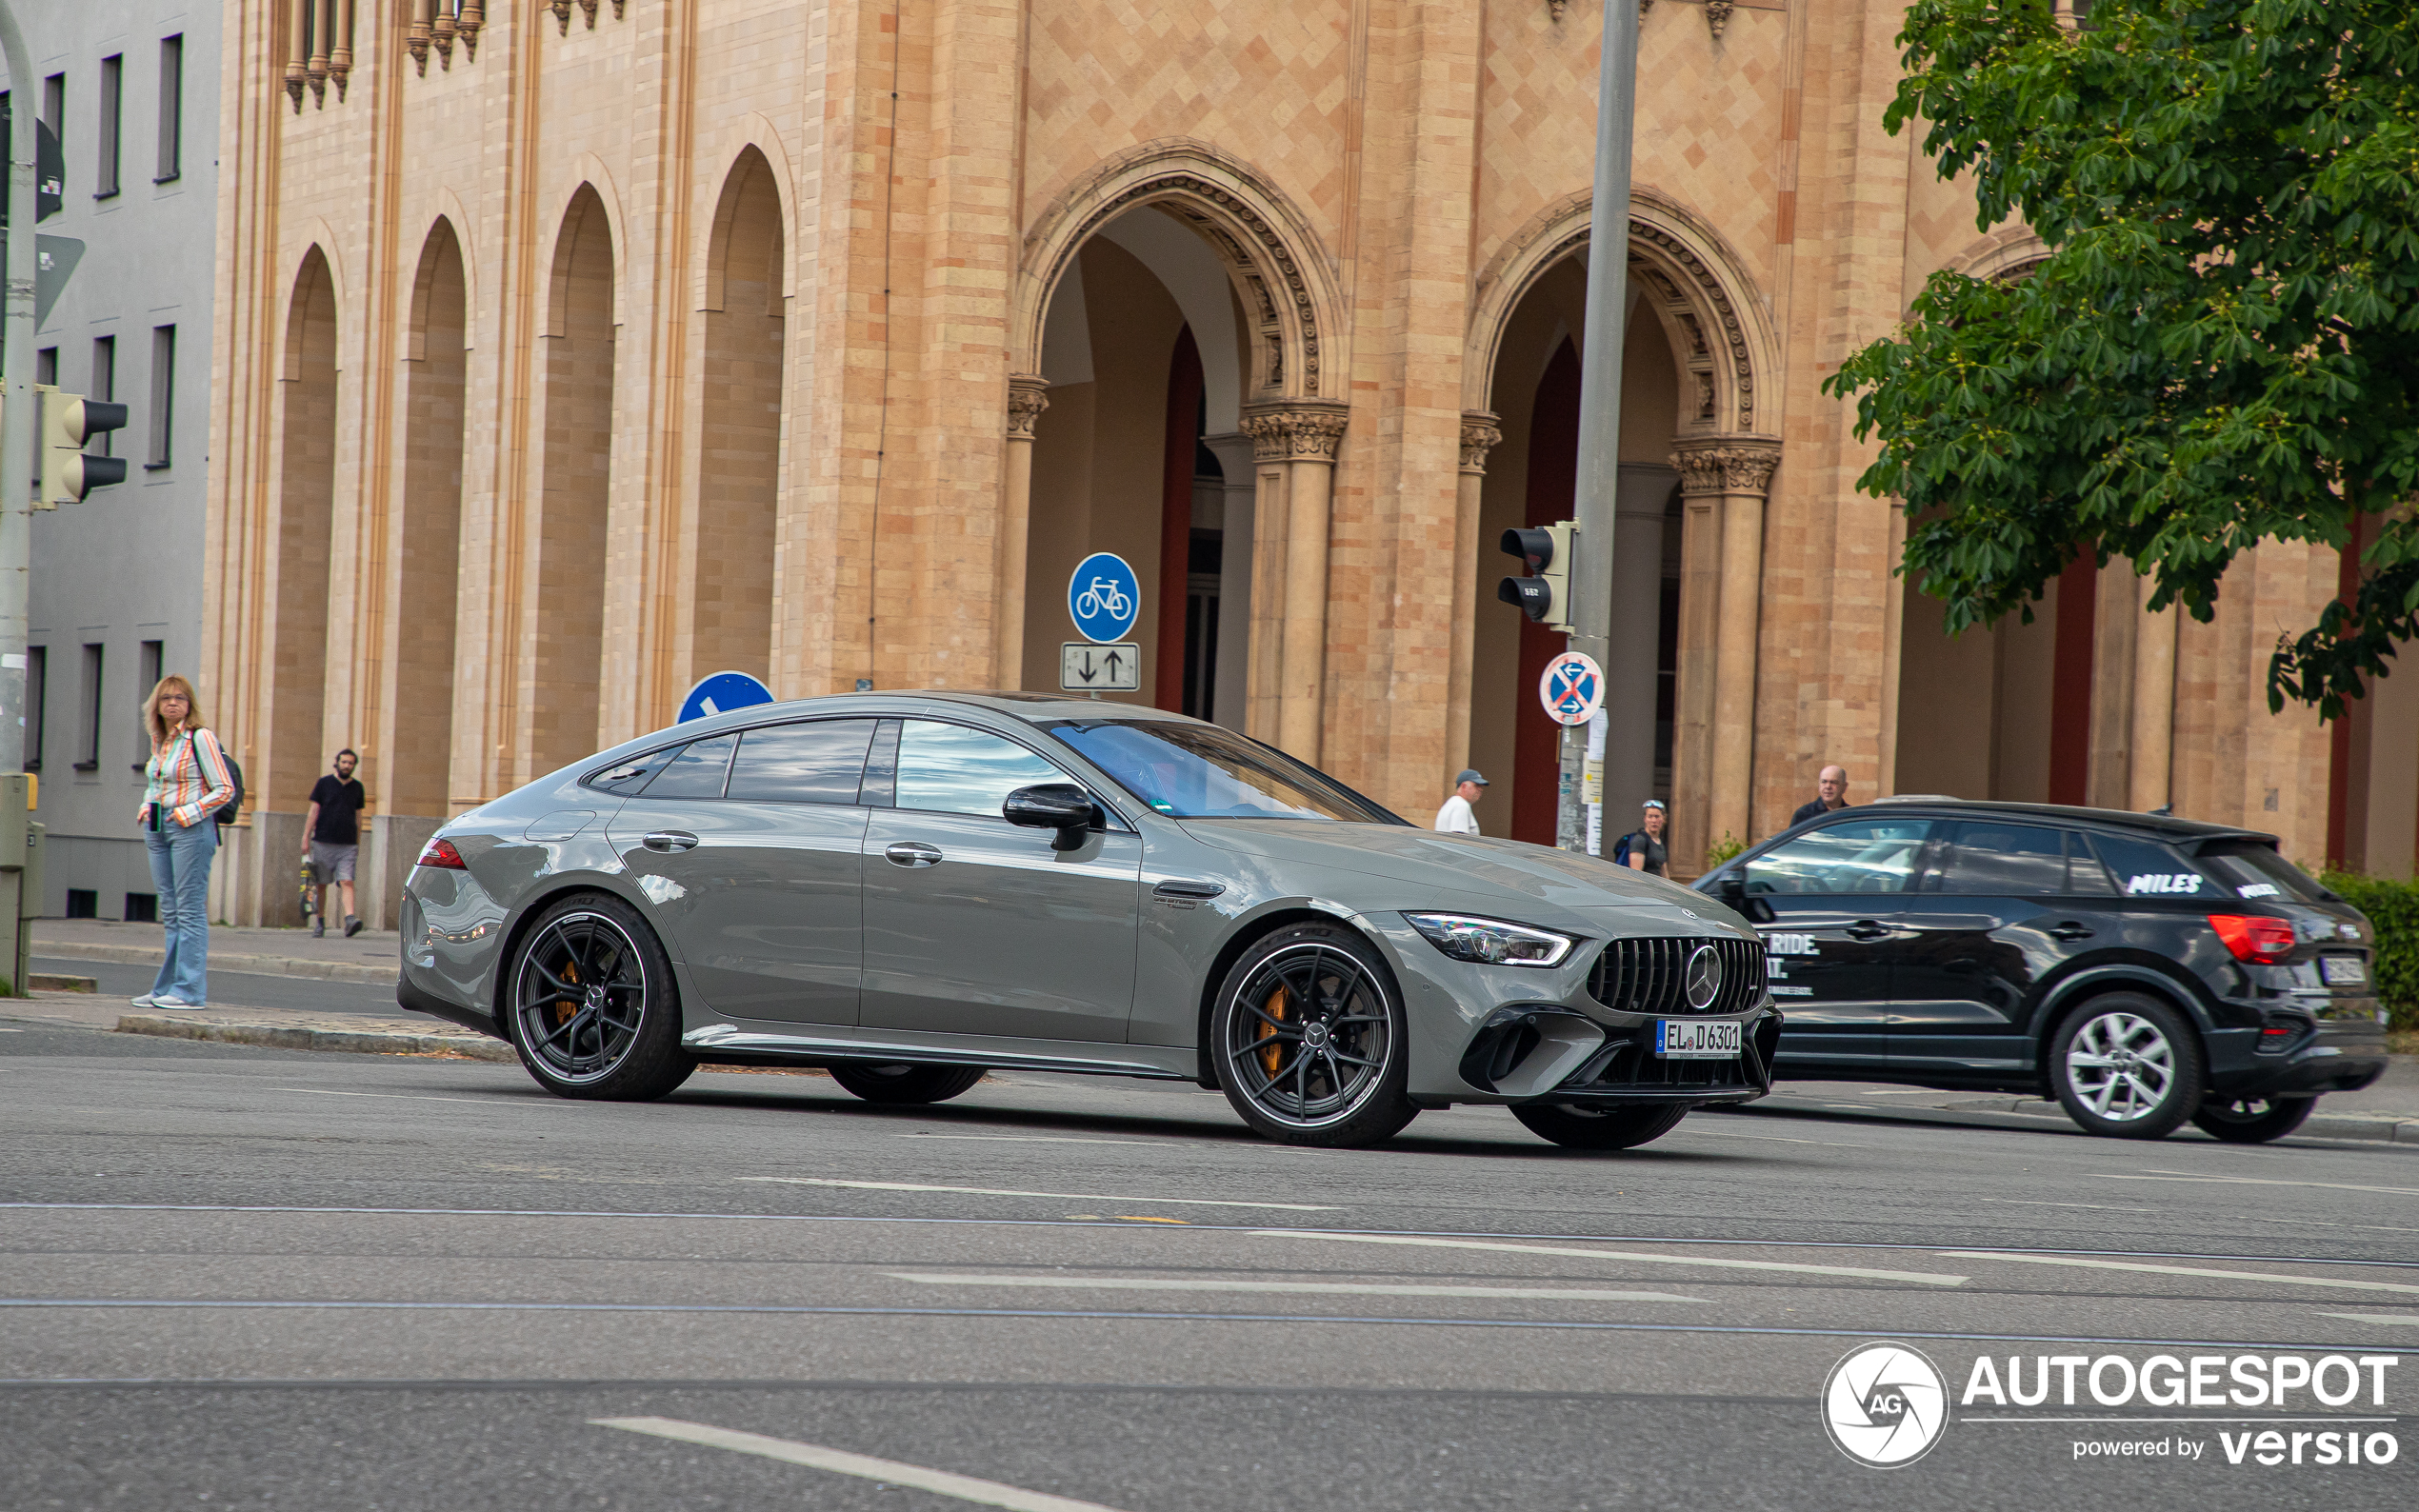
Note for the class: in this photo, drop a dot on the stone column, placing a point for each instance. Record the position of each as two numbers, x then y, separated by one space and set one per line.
1723 484
1230 695
1480 436
2154 743
1641 491
1026 399
1301 436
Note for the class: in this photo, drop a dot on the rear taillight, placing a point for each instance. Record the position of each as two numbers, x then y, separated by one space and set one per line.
442 854
2254 937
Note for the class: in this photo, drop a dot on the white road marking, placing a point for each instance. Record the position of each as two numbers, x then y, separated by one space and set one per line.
2097 1207
864 1466
1928 1278
1065 1197
423 1096
2343 1283
2255 1180
2407 1321
1034 1139
1329 1288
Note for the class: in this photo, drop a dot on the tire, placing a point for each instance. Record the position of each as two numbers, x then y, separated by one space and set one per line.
591 1005
1308 1040
2251 1120
895 1082
1593 1128
2128 1066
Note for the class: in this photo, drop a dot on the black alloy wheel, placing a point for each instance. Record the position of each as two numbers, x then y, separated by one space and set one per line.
593 1011
895 1082
1581 1127
2126 1065
1309 1034
2253 1120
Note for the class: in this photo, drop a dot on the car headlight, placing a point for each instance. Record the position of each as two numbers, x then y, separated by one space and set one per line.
1491 941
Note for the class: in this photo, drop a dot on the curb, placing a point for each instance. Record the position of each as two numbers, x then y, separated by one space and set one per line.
257 965
55 982
478 1047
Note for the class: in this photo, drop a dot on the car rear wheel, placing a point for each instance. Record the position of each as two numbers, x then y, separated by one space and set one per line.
2128 1066
895 1082
593 1011
2253 1120
1310 1040
1581 1127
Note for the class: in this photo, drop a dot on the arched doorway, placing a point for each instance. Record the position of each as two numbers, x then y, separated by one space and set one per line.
298 589
420 746
730 567
567 633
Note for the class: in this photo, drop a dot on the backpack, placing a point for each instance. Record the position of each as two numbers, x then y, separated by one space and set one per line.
227 811
1621 849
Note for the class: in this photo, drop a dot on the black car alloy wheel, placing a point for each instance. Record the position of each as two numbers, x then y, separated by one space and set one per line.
2128 1065
2253 1120
1311 1040
594 1010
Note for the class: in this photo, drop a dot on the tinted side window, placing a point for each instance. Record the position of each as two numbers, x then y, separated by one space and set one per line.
2006 860
1860 856
697 771
817 762
2084 874
2145 869
632 775
951 770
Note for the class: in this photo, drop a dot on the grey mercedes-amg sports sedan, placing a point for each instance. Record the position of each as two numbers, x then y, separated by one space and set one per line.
909 888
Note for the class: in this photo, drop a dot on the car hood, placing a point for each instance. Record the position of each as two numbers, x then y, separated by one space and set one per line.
1433 869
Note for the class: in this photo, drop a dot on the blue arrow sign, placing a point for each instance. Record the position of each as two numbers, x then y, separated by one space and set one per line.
720 694
1104 596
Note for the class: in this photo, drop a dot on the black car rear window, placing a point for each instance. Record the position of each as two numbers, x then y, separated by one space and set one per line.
2255 872
2145 868
2002 859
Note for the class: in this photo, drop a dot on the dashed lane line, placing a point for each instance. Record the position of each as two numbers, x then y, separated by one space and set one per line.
2391 1320
1311 1288
1925 1277
2154 1175
1058 1197
2268 1278
864 1466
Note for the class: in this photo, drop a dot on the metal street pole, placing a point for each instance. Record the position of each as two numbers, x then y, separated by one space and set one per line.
17 425
1600 398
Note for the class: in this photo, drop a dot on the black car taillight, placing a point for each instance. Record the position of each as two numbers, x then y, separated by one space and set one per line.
2253 937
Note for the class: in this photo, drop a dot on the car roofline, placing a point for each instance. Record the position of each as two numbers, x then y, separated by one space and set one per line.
2165 825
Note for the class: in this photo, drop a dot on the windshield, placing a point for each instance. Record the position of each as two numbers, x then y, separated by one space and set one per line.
1200 771
2257 871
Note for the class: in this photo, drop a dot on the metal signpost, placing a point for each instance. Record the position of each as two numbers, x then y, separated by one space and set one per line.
1600 394
721 692
18 328
1104 598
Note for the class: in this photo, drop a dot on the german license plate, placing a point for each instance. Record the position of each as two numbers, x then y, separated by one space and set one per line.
1687 1039
2343 971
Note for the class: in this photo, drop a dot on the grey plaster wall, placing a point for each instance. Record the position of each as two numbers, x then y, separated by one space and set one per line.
125 567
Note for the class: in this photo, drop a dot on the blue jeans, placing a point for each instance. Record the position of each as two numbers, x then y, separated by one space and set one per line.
180 871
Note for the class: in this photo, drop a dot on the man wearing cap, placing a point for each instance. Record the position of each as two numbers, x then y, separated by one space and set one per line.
1456 817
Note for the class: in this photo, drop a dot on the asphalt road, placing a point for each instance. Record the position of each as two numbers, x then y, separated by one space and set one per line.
245 1278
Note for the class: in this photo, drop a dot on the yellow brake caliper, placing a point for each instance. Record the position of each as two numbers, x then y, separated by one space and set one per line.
1272 1048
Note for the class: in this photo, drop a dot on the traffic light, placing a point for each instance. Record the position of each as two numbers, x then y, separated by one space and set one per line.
67 421
1545 595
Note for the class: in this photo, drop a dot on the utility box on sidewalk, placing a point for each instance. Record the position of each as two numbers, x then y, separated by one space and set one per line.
20 874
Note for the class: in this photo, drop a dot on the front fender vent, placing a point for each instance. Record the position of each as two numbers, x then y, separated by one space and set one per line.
1650 975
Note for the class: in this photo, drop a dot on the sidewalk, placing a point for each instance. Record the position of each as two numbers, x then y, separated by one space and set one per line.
370 956
362 1034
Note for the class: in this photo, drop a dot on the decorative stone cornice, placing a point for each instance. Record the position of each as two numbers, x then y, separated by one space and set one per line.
1296 429
1728 464
1717 15
1028 396
1480 436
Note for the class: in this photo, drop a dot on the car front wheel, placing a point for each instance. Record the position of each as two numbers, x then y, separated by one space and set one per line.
592 1007
2128 1066
1310 1040
2253 1120
1580 1127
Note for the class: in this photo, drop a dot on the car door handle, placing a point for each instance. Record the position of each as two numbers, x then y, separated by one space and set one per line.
913 853
1866 929
671 840
1176 887
2069 930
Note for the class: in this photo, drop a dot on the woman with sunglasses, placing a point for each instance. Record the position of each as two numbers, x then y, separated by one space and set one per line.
185 784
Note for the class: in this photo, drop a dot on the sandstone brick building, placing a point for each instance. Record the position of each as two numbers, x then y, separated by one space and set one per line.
568 351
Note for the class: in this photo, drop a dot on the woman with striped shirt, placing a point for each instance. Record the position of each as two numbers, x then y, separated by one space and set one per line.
185 782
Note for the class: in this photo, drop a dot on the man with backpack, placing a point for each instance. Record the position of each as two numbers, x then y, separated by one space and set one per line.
332 839
1642 849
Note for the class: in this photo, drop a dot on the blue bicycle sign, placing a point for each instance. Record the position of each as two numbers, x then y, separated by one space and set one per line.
1104 596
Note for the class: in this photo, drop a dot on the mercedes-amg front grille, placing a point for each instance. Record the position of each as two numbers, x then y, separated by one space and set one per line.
1653 975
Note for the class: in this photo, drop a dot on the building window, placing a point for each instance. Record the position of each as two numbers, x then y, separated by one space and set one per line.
54 108
37 674
88 733
142 907
163 394
171 108
104 384
106 137
83 903
153 664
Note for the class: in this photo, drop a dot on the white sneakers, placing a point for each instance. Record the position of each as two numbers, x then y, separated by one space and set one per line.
155 1000
143 1002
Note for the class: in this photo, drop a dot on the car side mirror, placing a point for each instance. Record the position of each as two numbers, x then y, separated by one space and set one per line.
1732 890
1063 807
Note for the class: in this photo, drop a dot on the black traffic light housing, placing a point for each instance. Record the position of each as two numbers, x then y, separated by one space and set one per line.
1544 594
67 421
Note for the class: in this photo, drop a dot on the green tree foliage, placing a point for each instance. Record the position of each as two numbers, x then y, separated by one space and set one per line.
2223 345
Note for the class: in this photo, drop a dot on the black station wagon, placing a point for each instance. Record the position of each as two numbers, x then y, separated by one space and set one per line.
2141 969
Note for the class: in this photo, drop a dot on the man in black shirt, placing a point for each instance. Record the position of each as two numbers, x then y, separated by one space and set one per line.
331 838
1831 784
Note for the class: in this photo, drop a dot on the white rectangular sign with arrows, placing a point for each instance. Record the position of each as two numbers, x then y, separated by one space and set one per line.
1084 668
